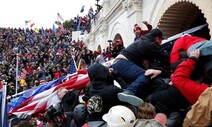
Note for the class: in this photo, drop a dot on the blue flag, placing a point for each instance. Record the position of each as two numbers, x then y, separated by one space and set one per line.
29 36
79 24
82 9
54 29
43 32
4 119
31 40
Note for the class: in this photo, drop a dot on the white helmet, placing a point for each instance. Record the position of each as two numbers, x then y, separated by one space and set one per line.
119 116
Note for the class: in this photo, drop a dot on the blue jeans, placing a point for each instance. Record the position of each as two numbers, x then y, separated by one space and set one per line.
130 72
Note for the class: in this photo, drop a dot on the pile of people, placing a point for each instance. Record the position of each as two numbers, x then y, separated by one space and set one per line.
143 96
155 88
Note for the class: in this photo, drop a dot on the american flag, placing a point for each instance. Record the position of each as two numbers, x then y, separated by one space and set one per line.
31 25
72 70
22 75
27 21
39 103
60 17
73 67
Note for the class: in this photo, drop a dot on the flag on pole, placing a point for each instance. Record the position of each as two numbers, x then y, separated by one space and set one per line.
60 17
31 25
79 24
72 70
27 21
22 75
31 41
73 67
3 110
57 22
54 29
43 32
91 13
82 9
40 102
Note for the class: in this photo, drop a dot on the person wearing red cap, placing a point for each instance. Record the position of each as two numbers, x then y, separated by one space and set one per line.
139 32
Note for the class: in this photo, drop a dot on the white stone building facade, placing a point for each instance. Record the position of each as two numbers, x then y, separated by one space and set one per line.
117 18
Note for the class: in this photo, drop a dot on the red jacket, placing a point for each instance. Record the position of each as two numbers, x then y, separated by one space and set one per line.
183 43
191 90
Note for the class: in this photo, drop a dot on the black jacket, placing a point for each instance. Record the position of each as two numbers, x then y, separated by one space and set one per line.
102 84
168 99
146 49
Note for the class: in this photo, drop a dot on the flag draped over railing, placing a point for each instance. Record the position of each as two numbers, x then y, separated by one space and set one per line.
32 92
37 103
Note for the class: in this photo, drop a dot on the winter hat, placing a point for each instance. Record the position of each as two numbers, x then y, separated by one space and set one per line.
160 117
98 72
136 28
95 105
156 33
80 113
70 100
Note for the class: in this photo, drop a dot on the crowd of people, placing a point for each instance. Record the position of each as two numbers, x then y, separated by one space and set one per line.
155 87
44 55
42 58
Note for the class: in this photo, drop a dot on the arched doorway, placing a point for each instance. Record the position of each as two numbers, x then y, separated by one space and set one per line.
182 16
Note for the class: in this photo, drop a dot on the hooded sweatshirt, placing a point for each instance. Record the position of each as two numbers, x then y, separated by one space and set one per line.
102 84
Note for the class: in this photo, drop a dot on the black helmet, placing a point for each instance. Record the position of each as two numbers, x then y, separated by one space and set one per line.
56 113
80 111
80 114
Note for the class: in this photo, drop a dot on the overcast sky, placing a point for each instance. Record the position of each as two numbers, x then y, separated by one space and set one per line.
42 12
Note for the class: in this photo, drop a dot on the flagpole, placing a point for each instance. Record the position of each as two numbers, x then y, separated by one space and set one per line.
25 25
16 80
4 91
